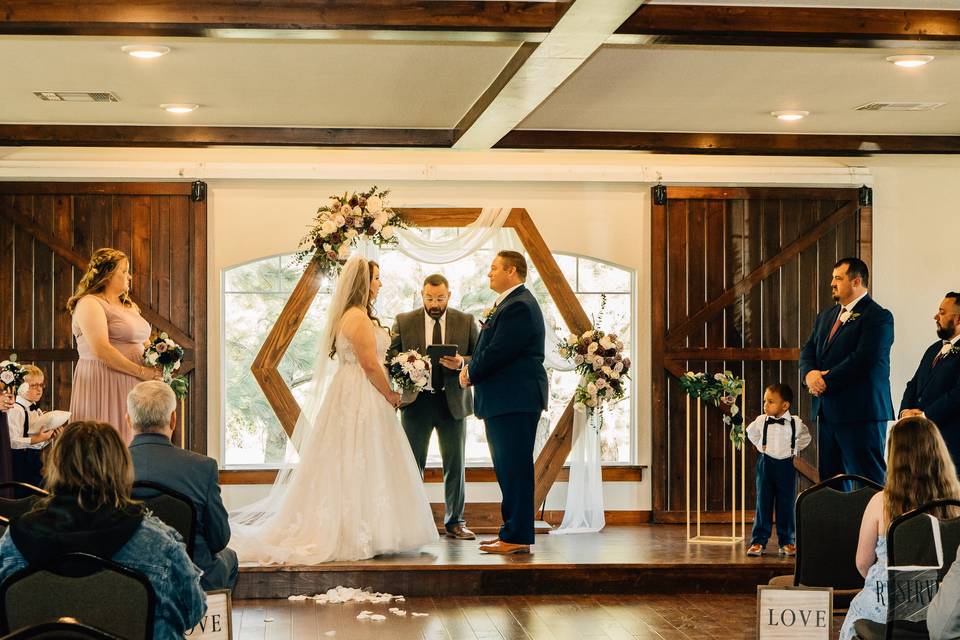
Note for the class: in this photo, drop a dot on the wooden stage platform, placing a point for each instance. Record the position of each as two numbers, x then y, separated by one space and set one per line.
645 559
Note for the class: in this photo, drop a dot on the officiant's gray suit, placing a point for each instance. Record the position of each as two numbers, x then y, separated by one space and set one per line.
446 409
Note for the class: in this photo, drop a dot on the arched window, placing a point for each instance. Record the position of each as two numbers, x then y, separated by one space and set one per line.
254 293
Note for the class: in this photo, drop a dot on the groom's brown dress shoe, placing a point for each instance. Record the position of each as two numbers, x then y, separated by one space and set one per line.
505 548
460 532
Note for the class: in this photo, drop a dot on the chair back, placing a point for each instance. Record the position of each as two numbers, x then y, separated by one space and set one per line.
916 538
89 589
828 529
12 508
171 507
63 629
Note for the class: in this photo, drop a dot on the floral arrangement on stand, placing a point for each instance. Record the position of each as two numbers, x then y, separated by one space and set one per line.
721 389
598 358
341 221
168 355
12 374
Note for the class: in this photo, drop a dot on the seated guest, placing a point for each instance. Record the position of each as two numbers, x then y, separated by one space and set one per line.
89 476
943 614
151 414
919 469
25 446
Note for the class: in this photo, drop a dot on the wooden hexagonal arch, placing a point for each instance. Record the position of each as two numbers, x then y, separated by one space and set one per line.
264 368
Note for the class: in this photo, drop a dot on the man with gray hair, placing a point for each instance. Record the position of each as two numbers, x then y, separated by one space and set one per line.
151 414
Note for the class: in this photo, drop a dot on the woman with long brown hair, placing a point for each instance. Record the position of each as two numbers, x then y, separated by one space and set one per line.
111 336
919 470
89 474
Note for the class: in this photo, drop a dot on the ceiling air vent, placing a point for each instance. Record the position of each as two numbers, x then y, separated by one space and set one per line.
899 106
76 96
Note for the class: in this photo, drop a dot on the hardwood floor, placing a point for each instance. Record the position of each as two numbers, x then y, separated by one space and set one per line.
602 617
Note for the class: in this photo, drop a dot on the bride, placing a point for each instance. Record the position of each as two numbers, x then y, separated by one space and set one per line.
356 491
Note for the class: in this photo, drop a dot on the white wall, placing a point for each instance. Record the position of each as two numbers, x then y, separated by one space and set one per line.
261 201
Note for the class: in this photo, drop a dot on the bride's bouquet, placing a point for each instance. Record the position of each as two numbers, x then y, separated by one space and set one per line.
168 355
410 370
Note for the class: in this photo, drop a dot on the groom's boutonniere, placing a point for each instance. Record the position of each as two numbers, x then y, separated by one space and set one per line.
486 316
847 316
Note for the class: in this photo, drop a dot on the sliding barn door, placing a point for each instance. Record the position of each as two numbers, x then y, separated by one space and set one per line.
738 277
47 234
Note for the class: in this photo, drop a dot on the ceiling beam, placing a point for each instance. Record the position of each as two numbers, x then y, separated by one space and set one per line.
63 135
585 27
766 144
791 26
209 17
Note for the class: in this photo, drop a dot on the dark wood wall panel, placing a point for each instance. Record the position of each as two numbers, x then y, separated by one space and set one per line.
710 240
49 232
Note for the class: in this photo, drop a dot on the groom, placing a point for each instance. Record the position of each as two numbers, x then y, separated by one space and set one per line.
447 408
511 392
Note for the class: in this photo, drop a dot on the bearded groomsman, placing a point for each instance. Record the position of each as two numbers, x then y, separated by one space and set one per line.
845 364
934 390
447 407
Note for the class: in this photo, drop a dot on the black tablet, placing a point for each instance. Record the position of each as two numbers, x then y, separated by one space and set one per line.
437 351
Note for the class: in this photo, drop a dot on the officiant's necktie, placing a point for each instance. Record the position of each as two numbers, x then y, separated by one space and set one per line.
836 326
436 376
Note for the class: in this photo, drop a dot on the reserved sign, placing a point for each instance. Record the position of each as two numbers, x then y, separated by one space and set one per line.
790 613
217 623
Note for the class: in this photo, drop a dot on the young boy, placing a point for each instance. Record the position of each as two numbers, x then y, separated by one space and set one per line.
26 447
778 436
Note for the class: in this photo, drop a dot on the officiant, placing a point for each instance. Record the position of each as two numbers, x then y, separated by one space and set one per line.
447 406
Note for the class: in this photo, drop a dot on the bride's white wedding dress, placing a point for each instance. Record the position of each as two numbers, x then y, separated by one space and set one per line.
356 492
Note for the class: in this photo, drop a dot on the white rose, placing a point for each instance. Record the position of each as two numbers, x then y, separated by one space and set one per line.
601 384
587 334
607 370
376 226
419 364
597 365
170 343
6 377
351 234
382 218
592 389
176 366
592 348
339 220
327 227
578 360
327 246
333 204
606 343
844 317
374 204
344 252
572 340
152 358
614 376
388 232
618 367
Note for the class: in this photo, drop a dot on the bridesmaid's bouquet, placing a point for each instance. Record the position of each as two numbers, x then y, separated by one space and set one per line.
168 355
410 370
12 374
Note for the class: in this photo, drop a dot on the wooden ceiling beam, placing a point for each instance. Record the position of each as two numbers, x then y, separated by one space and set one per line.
791 26
766 144
207 17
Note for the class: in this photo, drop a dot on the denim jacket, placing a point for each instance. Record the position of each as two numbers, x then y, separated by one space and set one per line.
158 552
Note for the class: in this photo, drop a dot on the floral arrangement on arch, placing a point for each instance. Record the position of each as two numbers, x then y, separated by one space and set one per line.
341 221
598 358
721 389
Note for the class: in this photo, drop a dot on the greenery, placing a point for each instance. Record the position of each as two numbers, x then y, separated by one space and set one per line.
722 390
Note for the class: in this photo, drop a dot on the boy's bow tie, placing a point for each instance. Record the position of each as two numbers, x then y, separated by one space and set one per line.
776 420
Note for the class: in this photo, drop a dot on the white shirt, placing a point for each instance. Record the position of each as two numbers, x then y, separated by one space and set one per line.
778 436
428 323
15 417
850 305
506 293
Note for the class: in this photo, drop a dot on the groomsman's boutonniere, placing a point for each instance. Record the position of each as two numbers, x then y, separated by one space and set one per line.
487 315
948 350
847 316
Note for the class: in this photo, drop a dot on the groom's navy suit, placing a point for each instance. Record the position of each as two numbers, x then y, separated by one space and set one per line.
854 410
935 390
510 393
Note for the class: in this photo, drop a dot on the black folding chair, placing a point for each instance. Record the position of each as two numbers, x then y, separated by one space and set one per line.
828 529
12 508
63 629
89 589
172 507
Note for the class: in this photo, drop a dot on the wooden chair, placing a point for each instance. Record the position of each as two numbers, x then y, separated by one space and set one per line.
86 588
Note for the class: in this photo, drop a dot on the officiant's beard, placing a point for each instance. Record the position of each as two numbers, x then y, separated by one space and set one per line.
435 312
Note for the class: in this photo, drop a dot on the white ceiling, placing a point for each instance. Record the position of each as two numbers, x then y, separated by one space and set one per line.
266 83
724 89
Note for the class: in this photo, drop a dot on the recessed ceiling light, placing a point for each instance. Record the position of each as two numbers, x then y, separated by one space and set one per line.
790 115
145 51
179 108
910 61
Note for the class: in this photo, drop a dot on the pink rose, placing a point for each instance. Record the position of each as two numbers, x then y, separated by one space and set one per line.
161 347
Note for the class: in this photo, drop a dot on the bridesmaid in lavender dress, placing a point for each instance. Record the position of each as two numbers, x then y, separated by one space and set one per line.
111 336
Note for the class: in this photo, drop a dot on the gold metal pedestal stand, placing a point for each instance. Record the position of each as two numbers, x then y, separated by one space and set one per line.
735 475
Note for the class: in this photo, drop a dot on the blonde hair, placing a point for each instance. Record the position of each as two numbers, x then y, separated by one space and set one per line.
90 461
30 370
919 469
103 264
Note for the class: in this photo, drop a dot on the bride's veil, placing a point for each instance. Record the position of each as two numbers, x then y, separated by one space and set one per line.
352 289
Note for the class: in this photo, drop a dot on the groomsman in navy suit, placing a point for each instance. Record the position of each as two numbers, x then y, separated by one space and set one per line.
845 364
934 390
511 392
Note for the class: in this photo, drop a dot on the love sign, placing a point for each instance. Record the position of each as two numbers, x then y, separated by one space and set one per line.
794 613
216 623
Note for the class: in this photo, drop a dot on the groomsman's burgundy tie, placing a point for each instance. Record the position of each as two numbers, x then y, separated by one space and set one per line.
436 377
939 355
836 326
